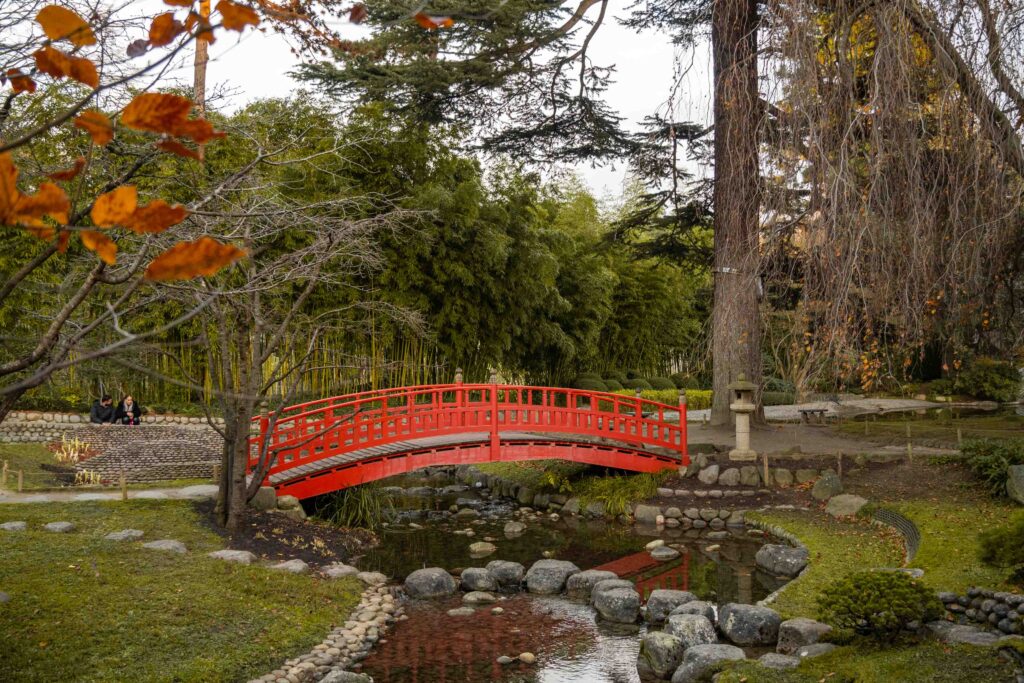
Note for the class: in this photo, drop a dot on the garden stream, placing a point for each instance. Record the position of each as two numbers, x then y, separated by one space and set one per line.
570 642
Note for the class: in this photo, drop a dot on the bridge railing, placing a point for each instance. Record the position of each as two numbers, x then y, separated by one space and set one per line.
316 430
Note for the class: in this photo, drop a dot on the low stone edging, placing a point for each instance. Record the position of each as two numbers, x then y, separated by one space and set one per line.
906 528
45 427
999 610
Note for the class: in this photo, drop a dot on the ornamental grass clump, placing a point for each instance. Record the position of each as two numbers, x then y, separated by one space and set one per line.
877 605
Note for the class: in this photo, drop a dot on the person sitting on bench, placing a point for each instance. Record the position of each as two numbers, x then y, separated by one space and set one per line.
102 411
128 412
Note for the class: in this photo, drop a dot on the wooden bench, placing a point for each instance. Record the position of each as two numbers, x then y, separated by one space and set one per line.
807 413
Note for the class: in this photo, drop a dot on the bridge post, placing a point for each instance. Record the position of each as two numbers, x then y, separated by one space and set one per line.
459 403
684 450
495 440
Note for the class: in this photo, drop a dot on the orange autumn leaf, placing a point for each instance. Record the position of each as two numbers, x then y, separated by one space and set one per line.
178 3
49 200
104 247
187 260
431 22
53 62
358 13
41 231
9 193
62 240
60 23
156 112
175 147
115 207
156 216
20 82
199 131
97 125
235 17
164 29
68 173
203 30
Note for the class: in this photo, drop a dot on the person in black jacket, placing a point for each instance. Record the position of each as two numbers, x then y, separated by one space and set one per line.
102 411
128 412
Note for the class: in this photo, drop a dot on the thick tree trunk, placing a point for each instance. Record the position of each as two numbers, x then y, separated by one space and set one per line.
736 324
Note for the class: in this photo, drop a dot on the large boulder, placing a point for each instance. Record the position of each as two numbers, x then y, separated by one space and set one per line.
692 629
1015 483
620 605
579 586
432 582
845 505
782 560
509 575
265 499
795 633
647 514
699 659
749 624
478 579
774 660
730 477
607 585
708 475
828 485
664 554
662 602
548 577
660 655
697 607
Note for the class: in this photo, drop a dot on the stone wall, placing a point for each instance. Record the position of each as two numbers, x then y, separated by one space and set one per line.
162 447
1003 611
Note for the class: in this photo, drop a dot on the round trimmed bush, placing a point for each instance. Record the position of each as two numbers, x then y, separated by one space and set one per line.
589 375
684 381
662 383
590 385
616 375
777 398
637 383
877 604
613 384
633 374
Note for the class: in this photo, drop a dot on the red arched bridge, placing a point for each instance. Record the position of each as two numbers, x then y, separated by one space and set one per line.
333 443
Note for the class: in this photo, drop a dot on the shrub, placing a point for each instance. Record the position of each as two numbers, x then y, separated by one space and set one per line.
939 387
988 378
778 384
1004 547
589 375
777 398
696 399
613 384
990 460
684 381
640 384
633 374
616 375
877 604
590 384
366 506
616 493
661 383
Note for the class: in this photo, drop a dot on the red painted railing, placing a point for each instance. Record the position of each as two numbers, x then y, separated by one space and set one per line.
308 432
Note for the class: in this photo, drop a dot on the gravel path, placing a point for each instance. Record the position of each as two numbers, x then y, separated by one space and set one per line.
198 492
846 408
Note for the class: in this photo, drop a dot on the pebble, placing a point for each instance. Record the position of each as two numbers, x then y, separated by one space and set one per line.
527 658
505 659
497 610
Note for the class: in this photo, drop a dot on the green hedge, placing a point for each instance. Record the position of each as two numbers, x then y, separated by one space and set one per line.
613 384
777 398
696 399
590 384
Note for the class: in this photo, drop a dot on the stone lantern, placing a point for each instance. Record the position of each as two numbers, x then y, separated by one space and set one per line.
742 394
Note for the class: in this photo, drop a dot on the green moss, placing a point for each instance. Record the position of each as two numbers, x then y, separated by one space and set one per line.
929 661
83 608
837 548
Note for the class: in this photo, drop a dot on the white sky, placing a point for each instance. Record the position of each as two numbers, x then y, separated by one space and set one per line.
257 64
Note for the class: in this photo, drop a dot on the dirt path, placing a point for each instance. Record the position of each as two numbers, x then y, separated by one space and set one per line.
198 492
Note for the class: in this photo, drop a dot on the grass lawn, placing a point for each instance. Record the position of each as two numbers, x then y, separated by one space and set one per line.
929 661
837 548
939 429
83 608
28 457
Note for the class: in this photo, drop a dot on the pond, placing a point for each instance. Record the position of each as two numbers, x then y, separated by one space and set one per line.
569 641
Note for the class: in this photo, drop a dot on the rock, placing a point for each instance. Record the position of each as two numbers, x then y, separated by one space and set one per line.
467 513
730 477
664 553
4 598
339 676
595 509
660 655
708 475
795 633
372 578
774 660
749 624
548 577
504 659
525 496
699 659
507 574
708 514
579 586
432 582
1015 483
955 634
265 499
482 549
701 607
691 629
168 545
14 526
59 527
527 657
815 650
288 503
514 528
125 535
497 610
782 560
571 507
805 475
749 476
663 602
295 566
239 556
478 598
827 486
845 505
294 514
673 513
656 543
461 612
338 570
620 605
783 477
646 514
478 579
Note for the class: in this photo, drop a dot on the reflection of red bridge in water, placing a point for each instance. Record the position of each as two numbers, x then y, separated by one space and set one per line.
650 574
322 446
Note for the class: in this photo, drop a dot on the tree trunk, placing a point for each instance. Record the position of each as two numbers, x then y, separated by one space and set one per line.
736 324
202 58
